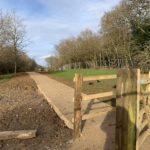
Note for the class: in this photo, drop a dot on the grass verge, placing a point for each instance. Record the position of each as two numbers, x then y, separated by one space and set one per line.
4 78
69 74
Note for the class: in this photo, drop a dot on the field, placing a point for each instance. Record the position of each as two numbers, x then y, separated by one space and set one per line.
22 107
69 74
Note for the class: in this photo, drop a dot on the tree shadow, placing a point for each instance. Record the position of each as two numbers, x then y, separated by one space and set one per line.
108 126
86 112
114 125
111 101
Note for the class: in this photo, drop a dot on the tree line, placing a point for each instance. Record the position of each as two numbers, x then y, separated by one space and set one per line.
123 40
13 40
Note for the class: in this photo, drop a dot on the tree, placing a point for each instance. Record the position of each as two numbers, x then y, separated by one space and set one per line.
116 32
12 42
138 14
17 36
53 62
123 40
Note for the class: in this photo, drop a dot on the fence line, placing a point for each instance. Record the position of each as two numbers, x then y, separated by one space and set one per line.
79 97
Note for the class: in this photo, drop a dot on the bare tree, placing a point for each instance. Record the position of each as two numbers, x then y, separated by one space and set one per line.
122 41
12 42
17 36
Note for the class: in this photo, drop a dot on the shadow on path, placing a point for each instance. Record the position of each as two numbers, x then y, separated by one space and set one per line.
118 122
112 102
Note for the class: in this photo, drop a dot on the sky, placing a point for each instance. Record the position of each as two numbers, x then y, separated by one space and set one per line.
50 21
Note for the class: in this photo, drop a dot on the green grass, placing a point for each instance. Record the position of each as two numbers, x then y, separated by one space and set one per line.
69 74
4 78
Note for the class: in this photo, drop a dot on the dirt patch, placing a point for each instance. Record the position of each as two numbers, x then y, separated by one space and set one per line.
22 107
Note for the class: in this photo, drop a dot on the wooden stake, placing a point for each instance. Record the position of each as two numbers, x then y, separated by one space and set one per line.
22 134
77 105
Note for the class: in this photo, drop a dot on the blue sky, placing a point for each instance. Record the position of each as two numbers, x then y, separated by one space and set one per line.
49 21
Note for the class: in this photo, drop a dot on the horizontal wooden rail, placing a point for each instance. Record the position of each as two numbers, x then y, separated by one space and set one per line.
96 96
96 114
101 77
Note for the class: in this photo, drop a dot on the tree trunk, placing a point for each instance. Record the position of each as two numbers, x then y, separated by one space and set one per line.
15 61
15 68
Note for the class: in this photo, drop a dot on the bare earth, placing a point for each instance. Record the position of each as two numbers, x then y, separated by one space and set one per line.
23 107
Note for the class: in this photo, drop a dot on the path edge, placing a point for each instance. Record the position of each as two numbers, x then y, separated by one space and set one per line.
67 122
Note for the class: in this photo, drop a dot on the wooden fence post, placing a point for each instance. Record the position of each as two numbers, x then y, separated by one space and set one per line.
126 110
77 105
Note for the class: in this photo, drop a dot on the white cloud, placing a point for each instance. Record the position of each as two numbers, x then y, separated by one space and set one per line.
51 29
45 56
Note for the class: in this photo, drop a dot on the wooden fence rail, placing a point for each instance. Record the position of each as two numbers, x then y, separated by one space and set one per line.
96 96
101 77
79 97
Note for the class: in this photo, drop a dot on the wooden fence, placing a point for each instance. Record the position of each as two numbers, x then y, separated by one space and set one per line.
132 106
79 97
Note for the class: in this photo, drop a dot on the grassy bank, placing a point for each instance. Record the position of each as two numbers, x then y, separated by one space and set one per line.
4 78
69 74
